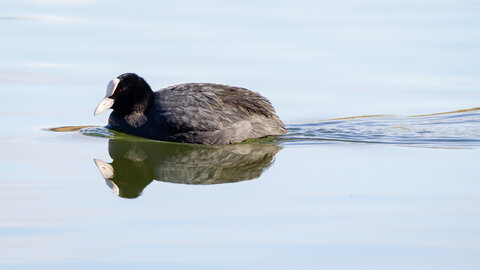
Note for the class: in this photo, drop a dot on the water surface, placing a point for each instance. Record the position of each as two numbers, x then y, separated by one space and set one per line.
397 189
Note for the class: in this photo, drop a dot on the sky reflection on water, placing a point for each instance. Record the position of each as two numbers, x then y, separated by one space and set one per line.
331 205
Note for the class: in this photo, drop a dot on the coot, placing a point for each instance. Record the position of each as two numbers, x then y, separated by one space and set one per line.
202 113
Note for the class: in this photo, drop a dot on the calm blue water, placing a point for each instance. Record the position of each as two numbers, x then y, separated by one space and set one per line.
378 170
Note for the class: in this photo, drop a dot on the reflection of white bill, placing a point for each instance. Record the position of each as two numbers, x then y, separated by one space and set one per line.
107 172
105 169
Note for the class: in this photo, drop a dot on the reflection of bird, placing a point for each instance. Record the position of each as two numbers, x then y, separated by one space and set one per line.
194 113
137 163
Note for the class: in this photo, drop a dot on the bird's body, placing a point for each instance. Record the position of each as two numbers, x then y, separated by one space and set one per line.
201 113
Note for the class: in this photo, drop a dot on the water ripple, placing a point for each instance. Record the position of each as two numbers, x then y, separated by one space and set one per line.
458 129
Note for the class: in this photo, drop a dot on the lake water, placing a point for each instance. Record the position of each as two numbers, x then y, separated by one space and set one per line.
378 170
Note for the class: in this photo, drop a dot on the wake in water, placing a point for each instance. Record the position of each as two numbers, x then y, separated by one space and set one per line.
458 129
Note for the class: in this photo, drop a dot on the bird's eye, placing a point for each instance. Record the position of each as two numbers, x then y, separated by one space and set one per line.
120 90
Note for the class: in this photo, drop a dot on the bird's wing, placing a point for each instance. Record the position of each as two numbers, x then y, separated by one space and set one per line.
210 107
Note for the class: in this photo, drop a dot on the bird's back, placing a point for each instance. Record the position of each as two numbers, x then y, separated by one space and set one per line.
215 113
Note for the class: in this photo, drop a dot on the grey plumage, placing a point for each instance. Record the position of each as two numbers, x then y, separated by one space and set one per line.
217 114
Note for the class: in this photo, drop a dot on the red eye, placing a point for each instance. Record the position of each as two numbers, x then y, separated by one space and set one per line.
120 90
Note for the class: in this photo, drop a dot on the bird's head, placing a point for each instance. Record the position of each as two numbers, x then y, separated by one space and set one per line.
125 94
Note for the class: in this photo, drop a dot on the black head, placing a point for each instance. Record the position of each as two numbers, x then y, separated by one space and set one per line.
126 94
